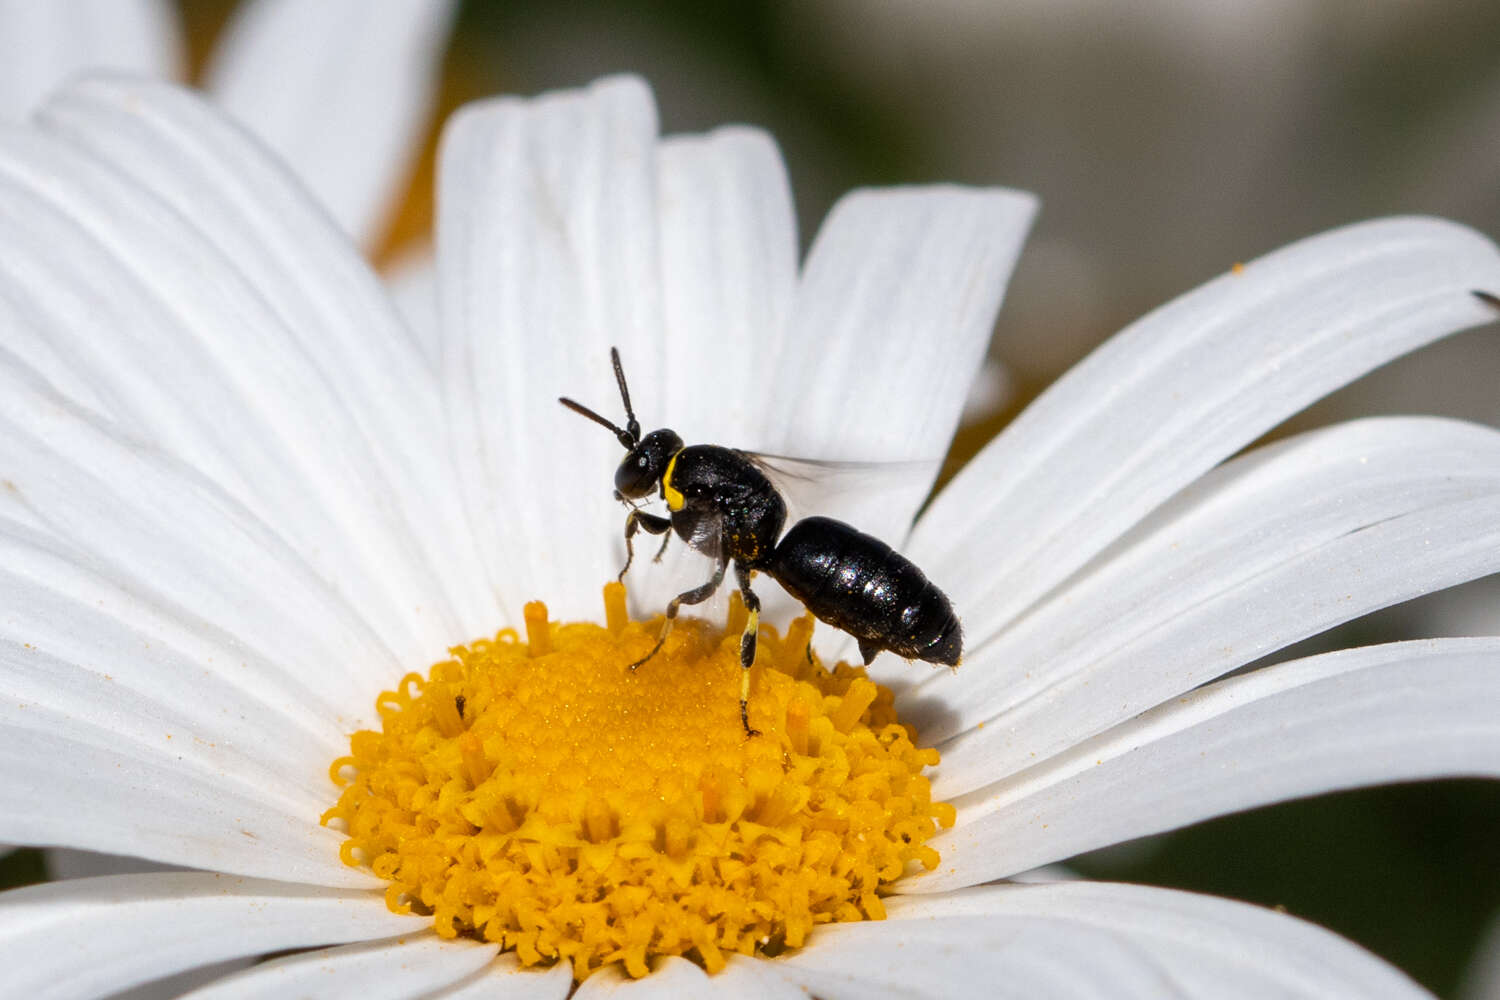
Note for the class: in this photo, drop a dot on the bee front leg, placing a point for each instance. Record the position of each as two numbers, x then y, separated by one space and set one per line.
695 596
652 524
747 644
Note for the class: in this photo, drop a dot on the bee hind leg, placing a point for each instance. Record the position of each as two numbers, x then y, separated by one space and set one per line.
747 644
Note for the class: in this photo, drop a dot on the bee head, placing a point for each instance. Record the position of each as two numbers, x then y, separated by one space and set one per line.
647 462
648 457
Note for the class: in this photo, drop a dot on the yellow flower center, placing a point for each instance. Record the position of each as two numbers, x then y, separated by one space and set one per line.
542 795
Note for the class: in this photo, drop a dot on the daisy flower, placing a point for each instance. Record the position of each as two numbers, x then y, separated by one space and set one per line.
244 524
340 89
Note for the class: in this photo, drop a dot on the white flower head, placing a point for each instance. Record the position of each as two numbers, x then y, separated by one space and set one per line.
238 504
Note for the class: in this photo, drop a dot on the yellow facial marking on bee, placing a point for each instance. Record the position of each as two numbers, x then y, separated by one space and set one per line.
674 499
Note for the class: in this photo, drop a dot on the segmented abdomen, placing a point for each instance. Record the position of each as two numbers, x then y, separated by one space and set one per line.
857 583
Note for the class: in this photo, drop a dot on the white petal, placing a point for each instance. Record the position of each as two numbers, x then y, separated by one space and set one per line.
729 273
547 256
395 968
1393 561
59 787
671 978
140 718
340 89
1089 939
412 281
995 956
43 44
1273 547
173 987
101 643
129 730
897 301
217 313
89 937
506 978
679 979
1356 717
177 539
1185 387
757 979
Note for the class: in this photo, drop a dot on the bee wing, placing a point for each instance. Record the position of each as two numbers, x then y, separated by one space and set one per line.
707 536
685 564
876 497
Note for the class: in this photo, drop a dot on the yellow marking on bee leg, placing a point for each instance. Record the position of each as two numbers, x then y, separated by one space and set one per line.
747 660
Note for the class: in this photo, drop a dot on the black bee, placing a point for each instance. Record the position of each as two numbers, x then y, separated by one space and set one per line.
722 503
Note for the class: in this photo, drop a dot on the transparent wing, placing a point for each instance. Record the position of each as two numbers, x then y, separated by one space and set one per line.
684 565
878 498
706 536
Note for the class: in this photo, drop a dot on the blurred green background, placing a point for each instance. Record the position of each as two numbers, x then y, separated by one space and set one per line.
1168 139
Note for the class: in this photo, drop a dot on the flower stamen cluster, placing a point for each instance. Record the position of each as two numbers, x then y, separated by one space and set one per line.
538 793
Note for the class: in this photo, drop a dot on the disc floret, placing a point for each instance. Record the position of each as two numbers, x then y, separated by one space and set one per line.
537 793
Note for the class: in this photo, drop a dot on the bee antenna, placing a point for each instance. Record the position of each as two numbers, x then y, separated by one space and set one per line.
632 425
623 436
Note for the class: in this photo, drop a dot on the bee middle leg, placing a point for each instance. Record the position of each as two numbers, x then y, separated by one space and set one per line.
695 596
747 644
653 525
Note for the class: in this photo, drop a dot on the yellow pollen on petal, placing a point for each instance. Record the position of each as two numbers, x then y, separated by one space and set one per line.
539 794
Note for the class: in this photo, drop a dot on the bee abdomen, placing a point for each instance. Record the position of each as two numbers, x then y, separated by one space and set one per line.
857 583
